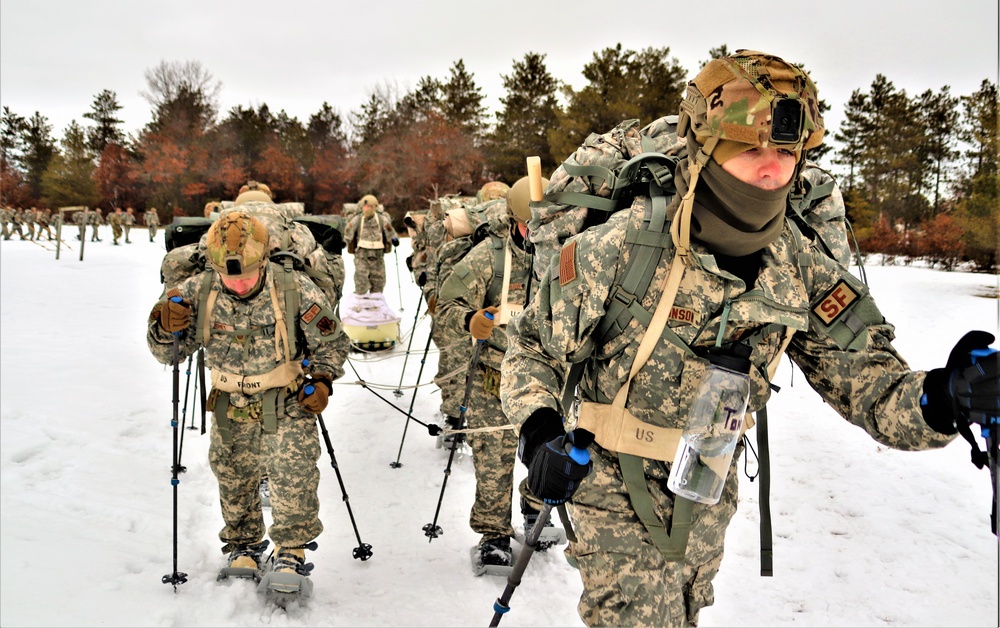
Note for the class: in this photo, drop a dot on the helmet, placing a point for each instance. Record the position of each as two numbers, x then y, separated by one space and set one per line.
751 99
368 199
236 245
210 207
518 197
253 191
492 191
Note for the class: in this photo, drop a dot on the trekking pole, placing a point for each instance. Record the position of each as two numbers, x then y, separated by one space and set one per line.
397 464
201 378
580 455
399 387
432 530
399 284
432 428
363 551
184 409
176 577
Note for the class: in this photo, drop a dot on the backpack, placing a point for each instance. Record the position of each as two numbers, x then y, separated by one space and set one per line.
292 244
604 176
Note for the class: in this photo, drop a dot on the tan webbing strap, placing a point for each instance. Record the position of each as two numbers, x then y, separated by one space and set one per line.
672 544
269 410
206 318
506 309
278 377
280 331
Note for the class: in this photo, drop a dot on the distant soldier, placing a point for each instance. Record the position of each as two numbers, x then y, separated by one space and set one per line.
370 236
80 221
44 218
128 221
96 219
115 220
5 222
28 216
152 221
16 219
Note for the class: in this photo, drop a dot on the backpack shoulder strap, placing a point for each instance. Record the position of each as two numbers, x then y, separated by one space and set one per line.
493 290
206 301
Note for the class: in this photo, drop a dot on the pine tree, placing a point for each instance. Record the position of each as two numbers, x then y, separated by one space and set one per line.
104 111
39 148
462 102
940 116
69 179
529 111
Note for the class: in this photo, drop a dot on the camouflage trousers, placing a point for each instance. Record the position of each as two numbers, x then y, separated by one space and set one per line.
454 353
289 458
94 234
626 580
128 230
116 232
369 271
152 232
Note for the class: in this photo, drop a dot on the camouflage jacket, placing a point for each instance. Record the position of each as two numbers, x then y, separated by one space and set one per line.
858 373
376 229
151 218
464 290
321 337
128 219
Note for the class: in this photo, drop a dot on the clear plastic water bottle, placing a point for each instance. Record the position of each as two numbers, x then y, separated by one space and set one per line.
715 422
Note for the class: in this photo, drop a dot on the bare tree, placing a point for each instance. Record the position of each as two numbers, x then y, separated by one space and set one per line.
167 80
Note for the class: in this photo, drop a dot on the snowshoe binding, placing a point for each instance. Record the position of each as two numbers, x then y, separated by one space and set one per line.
244 562
493 557
286 577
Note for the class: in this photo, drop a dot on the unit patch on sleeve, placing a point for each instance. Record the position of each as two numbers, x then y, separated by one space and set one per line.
311 313
835 303
326 326
567 263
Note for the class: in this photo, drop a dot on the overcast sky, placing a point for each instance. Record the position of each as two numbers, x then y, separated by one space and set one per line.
56 55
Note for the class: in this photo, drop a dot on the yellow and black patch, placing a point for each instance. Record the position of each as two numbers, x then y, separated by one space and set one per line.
311 313
835 302
567 263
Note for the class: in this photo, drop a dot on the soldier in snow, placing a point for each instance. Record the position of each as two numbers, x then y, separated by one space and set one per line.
369 236
732 282
265 406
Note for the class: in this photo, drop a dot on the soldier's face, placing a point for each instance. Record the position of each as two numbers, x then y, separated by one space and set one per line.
241 286
765 168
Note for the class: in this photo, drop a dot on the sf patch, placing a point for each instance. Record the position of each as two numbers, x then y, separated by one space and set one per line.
835 302
311 313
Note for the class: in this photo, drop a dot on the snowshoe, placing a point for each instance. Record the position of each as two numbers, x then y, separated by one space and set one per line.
549 536
493 557
265 493
287 575
244 562
449 441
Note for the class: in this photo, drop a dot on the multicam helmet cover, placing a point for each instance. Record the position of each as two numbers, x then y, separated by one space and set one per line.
754 98
236 245
492 191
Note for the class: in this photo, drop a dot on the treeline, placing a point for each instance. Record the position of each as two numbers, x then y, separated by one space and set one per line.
908 161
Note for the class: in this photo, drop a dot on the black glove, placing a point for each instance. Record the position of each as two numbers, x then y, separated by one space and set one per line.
395 241
422 279
409 263
558 466
966 389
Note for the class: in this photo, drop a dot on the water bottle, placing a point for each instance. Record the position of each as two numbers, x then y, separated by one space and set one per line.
714 425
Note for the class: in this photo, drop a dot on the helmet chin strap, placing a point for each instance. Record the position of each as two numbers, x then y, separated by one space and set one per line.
680 227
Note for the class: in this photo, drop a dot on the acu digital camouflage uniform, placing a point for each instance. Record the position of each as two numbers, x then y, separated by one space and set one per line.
16 220
79 219
115 220
469 287
371 239
95 220
242 342
5 222
627 579
128 221
28 217
44 218
152 220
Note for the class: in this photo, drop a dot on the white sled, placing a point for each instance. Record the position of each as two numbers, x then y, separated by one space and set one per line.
369 321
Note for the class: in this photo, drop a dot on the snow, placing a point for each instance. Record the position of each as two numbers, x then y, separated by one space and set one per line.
863 535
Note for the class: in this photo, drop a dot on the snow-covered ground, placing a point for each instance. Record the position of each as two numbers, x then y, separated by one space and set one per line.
864 536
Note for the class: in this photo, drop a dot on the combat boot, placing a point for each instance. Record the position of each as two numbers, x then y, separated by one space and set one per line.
288 577
244 561
493 557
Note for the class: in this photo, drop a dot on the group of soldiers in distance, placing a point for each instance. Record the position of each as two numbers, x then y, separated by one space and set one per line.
32 223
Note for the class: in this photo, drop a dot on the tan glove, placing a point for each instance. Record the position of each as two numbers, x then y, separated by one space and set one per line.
480 326
432 305
319 386
175 315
